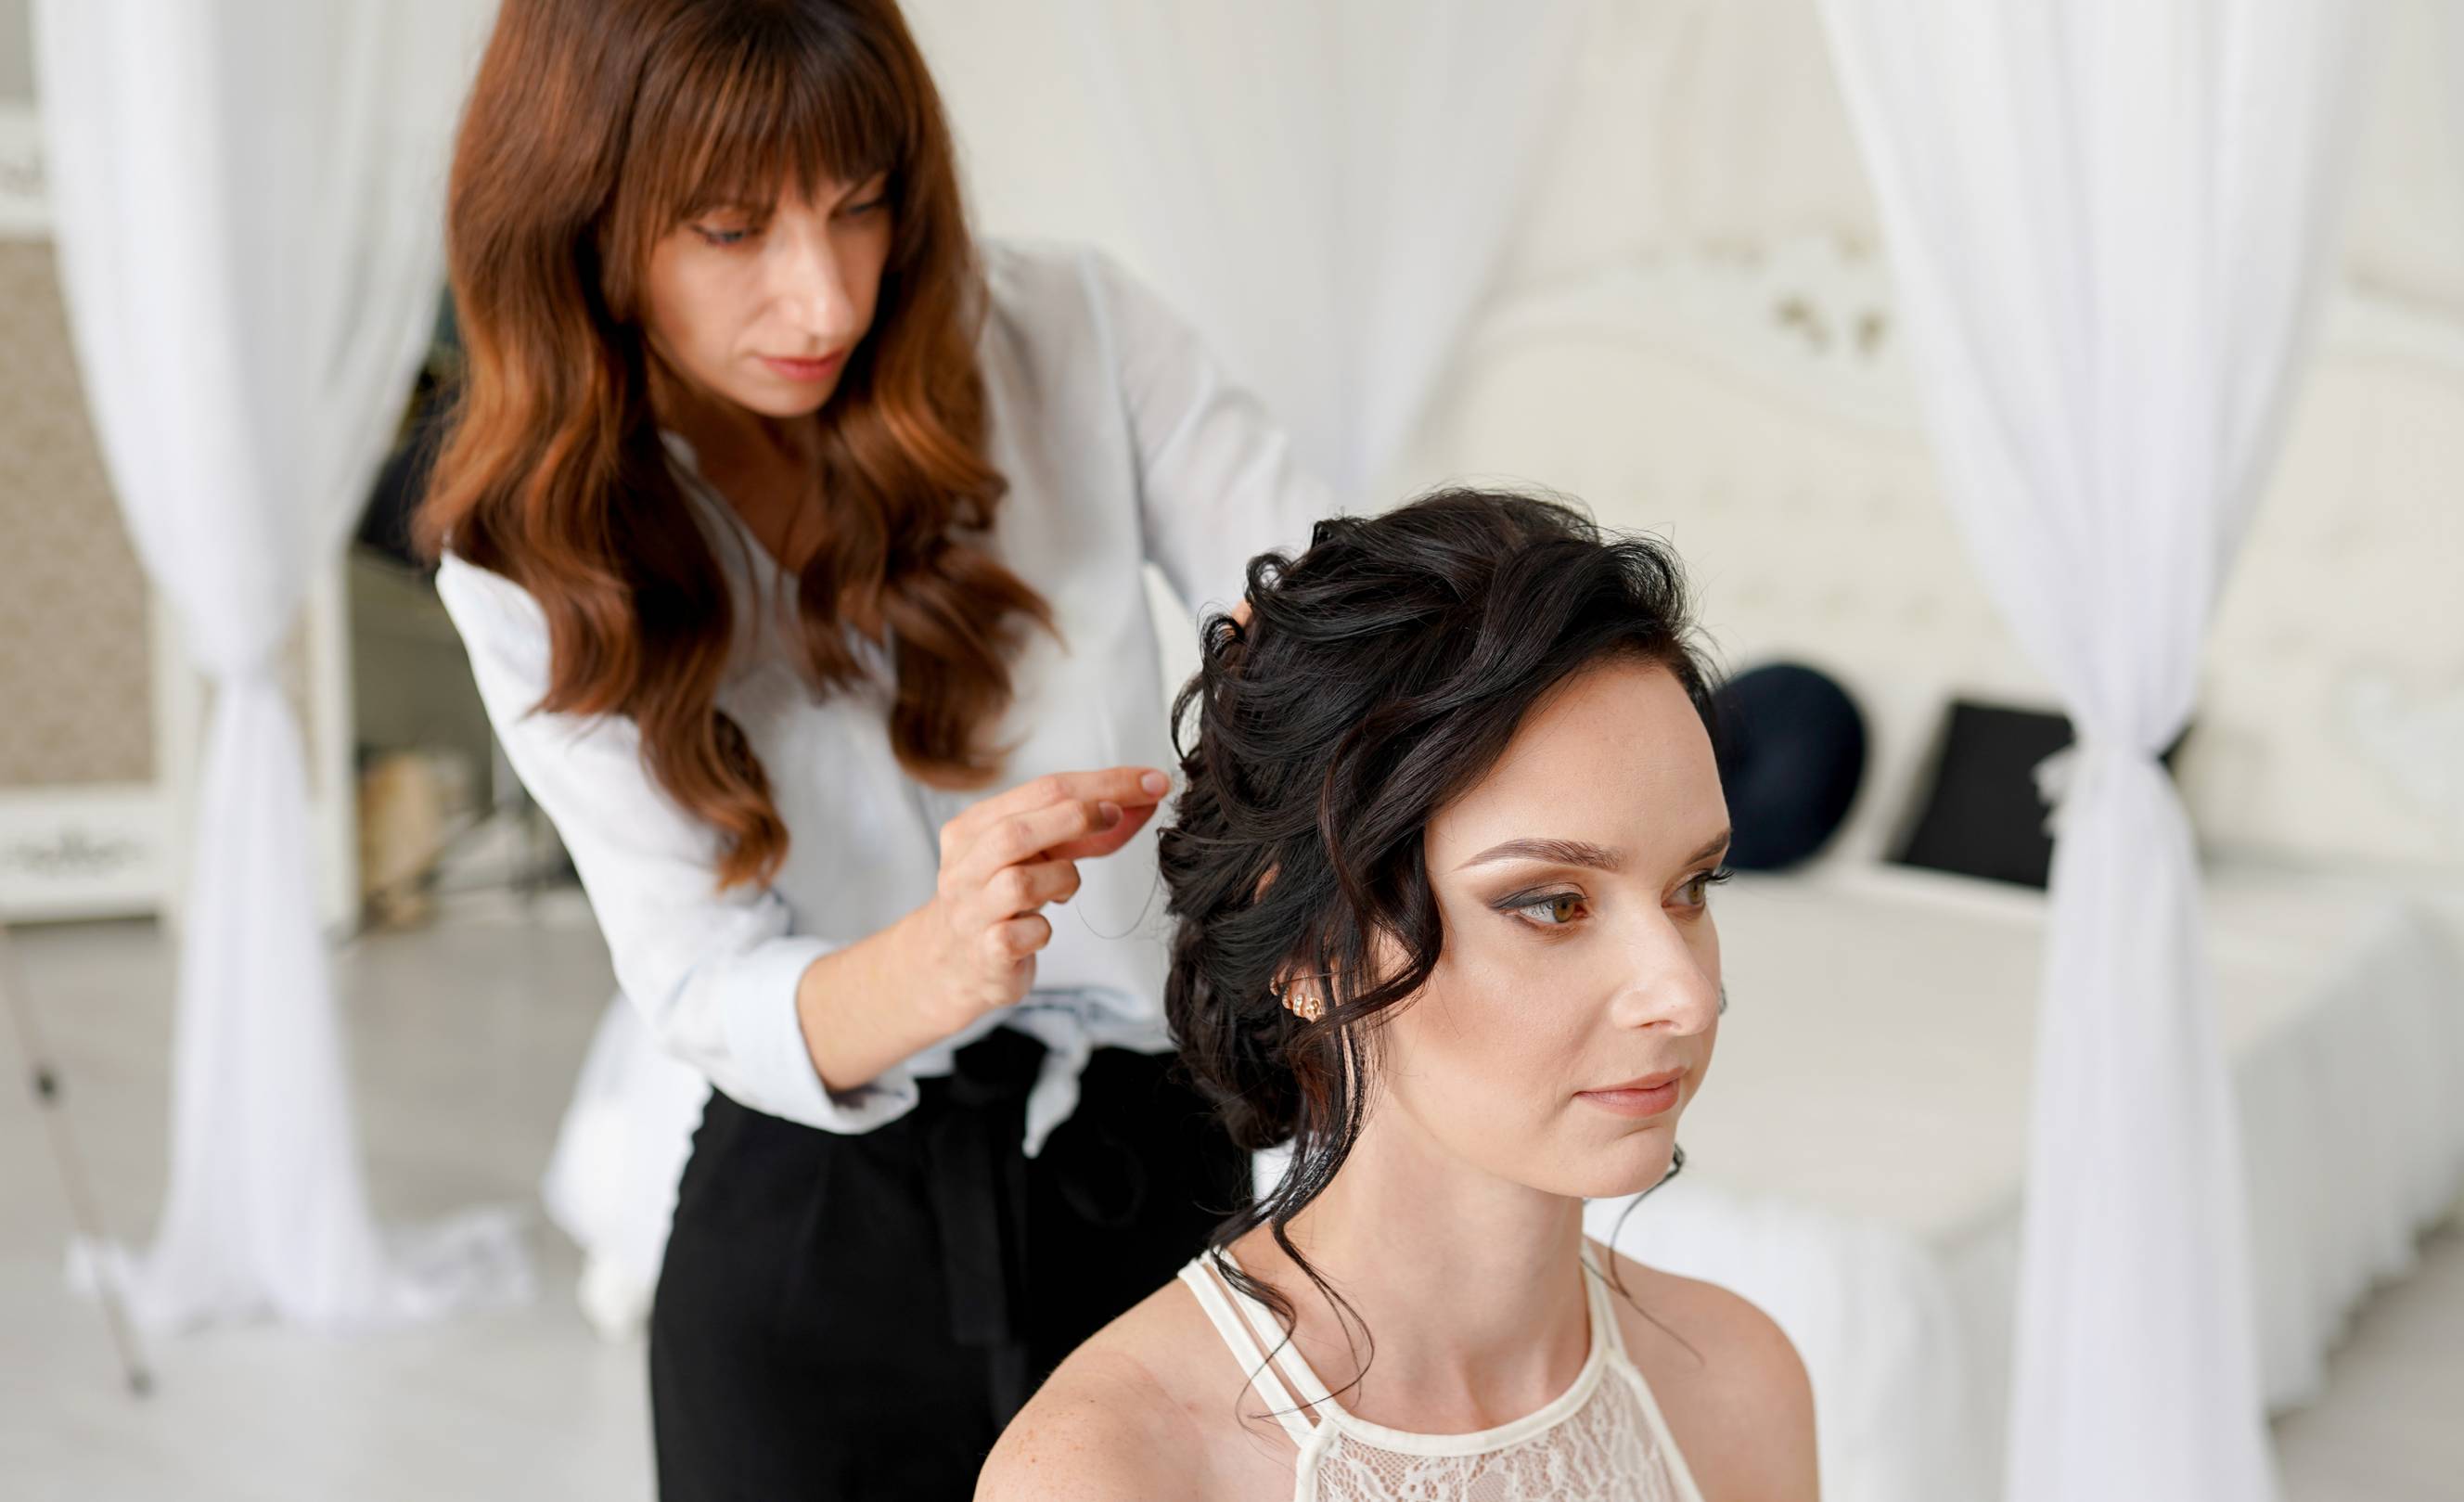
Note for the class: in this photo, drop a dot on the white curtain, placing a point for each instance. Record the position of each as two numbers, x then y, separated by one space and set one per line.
247 197
2107 219
1324 186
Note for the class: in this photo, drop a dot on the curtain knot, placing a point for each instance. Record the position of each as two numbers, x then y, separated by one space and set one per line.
2077 773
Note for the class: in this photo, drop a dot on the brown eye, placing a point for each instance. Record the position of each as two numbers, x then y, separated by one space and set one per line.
1697 891
1554 910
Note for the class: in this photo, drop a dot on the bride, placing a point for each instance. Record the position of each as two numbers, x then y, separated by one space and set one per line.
1442 874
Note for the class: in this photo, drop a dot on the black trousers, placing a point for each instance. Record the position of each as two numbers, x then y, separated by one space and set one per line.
858 1316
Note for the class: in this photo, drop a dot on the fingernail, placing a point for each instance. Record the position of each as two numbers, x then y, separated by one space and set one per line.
1111 811
1154 783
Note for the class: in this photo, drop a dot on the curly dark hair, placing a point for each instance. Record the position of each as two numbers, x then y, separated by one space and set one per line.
1380 675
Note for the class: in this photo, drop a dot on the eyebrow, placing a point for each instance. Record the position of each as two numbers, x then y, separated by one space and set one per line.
1580 852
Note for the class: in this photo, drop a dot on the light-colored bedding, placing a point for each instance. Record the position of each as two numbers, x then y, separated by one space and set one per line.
1855 1164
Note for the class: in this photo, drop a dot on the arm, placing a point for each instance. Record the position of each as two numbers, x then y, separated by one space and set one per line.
789 1023
1218 482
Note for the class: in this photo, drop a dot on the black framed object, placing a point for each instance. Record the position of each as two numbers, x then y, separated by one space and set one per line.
1980 813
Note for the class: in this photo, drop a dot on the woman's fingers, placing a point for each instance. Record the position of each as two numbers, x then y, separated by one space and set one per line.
1104 842
1009 855
1016 938
1130 786
1023 889
1024 837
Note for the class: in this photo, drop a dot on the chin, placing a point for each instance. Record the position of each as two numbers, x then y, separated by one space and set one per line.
1619 1170
799 401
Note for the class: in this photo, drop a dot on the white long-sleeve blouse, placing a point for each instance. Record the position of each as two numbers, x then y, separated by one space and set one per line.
1122 443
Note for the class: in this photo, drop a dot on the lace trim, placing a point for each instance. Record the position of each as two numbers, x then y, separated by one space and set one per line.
1602 1440
1607 1451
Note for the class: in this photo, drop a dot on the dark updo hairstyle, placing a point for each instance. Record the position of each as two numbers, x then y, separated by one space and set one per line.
1380 675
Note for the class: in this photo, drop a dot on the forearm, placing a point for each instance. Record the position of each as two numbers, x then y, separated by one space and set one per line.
862 1008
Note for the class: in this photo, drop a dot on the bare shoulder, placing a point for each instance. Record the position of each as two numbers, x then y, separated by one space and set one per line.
1116 1420
1729 1380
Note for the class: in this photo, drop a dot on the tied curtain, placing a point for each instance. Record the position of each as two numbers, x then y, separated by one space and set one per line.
2107 219
248 205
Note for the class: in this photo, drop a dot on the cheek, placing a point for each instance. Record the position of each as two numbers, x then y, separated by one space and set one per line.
1484 1046
685 311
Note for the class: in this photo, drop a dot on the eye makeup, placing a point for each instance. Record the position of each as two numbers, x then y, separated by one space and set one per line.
1701 884
1559 904
1560 908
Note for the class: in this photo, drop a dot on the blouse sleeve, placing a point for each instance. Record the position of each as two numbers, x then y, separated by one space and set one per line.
714 972
1218 481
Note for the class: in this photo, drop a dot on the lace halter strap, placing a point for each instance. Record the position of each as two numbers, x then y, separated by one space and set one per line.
1214 1299
1602 1439
1241 1336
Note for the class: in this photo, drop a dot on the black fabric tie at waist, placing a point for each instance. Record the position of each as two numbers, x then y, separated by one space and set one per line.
978 1176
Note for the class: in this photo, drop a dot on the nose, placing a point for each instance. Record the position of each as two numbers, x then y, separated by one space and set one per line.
1672 985
811 287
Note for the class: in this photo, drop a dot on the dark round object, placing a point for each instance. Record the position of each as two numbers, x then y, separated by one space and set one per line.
1791 749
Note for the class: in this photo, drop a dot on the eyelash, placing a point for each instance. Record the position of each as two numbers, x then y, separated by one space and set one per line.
1521 903
723 238
1716 877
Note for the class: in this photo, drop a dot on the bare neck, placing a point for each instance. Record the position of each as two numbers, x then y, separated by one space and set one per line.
1471 1286
763 467
723 434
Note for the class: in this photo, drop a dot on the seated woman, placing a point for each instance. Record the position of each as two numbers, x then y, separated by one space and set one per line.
1440 872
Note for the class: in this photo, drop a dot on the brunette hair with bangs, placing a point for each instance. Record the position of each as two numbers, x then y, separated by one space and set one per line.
595 127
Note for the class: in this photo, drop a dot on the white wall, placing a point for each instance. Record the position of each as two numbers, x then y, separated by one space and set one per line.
1697 121
1706 160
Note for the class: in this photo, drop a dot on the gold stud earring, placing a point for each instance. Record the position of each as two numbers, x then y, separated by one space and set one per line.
1303 1005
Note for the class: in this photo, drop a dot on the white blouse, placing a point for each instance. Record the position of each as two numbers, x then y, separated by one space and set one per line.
1122 443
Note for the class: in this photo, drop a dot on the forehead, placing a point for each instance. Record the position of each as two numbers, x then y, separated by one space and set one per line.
737 111
1616 756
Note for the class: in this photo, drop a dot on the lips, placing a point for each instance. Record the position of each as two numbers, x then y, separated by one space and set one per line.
805 370
1651 1095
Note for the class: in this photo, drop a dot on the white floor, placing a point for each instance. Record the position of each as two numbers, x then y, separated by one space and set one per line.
464 1041
465 1038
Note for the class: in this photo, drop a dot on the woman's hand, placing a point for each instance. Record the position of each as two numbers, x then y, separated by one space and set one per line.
971 949
1002 861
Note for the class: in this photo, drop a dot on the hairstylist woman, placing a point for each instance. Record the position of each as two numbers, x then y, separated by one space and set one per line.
795 543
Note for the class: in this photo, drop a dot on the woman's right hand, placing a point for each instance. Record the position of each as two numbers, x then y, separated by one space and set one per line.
1002 861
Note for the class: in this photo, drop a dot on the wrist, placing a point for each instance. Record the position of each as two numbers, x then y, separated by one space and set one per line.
920 956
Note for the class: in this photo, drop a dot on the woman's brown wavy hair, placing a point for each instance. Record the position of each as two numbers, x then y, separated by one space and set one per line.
595 127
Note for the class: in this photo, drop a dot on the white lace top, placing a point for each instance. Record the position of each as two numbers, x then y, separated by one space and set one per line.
1602 1440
